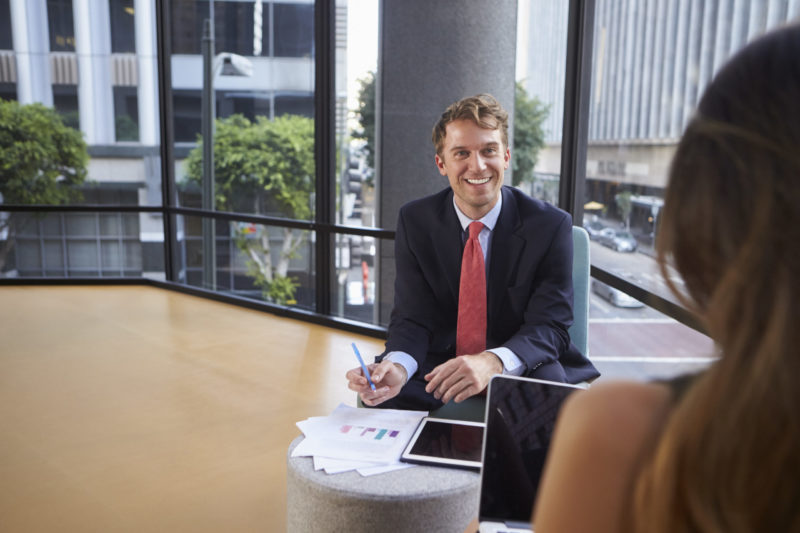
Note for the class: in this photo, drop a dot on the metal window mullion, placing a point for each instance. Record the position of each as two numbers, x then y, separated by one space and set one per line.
577 86
40 233
64 252
121 242
324 145
167 153
98 244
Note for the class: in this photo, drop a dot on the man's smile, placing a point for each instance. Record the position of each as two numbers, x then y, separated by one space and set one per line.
477 181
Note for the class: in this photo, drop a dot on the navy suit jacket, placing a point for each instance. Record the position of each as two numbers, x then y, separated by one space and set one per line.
529 290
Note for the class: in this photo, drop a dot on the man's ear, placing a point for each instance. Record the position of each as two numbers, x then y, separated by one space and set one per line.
440 165
507 158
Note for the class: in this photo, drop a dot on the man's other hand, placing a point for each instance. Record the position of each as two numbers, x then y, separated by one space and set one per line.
388 378
461 377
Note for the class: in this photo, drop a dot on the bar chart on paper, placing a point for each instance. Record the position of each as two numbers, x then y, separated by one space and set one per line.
369 433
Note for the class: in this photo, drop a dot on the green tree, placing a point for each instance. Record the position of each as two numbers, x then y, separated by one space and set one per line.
624 206
529 116
42 161
366 115
263 167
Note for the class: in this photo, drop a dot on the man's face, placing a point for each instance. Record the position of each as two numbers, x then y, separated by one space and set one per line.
474 161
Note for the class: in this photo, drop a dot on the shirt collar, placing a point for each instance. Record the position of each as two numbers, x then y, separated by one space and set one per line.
489 219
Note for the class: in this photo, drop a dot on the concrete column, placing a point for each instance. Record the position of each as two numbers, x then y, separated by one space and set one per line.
432 54
32 50
145 28
93 47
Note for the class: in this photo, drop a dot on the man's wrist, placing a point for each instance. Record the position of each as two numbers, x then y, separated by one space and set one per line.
496 362
403 371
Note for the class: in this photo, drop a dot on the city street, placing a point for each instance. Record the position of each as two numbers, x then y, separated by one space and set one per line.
640 343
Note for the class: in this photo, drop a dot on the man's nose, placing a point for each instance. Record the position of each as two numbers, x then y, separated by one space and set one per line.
478 163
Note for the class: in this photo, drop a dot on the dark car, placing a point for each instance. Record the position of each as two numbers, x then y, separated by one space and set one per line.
594 228
619 240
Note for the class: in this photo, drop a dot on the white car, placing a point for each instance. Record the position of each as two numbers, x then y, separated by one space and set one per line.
615 296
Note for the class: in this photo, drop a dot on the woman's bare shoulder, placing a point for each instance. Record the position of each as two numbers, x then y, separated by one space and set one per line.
600 437
618 405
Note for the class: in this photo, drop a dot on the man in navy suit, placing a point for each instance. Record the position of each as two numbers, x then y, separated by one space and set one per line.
527 249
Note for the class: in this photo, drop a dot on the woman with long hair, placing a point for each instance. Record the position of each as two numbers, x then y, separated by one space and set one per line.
718 451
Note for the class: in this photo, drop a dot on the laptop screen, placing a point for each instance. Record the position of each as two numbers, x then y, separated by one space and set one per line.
520 417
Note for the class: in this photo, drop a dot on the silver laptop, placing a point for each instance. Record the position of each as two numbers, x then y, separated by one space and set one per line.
520 416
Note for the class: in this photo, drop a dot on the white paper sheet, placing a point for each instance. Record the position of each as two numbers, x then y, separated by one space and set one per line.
370 440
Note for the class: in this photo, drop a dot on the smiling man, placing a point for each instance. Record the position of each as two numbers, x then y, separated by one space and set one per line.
484 277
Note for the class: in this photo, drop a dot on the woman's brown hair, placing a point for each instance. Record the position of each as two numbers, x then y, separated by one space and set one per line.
729 457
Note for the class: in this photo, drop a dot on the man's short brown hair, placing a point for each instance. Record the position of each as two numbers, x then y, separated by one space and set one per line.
482 109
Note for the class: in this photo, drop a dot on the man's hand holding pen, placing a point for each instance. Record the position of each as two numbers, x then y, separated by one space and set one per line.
388 378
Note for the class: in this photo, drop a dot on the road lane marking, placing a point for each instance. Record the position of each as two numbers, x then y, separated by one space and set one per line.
618 320
638 359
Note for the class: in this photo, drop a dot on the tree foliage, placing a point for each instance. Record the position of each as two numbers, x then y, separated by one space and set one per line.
624 206
529 116
42 161
263 167
366 115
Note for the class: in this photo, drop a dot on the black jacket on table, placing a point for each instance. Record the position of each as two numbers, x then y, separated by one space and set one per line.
529 290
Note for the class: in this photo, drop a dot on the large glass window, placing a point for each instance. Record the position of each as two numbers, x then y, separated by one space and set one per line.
294 30
251 260
652 61
123 34
89 244
355 261
539 101
8 91
60 24
126 113
294 104
65 102
264 160
6 40
239 27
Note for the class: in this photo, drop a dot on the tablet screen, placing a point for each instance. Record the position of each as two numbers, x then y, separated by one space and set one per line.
444 442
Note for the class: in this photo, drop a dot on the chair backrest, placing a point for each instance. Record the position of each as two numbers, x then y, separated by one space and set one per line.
579 331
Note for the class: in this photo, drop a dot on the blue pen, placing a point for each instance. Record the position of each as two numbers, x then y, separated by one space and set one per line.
363 367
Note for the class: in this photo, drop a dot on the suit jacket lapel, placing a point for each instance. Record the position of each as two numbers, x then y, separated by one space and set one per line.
447 243
507 245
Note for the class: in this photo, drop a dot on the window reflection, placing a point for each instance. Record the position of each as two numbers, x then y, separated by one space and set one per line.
126 114
123 35
6 38
60 24
294 30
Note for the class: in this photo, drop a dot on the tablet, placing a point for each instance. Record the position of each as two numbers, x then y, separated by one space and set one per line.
443 442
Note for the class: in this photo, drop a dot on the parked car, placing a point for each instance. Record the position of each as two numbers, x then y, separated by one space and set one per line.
618 239
594 228
613 295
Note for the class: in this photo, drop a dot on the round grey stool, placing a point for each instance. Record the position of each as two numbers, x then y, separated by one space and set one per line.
423 498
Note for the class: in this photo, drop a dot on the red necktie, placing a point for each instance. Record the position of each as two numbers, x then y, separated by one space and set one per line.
471 327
